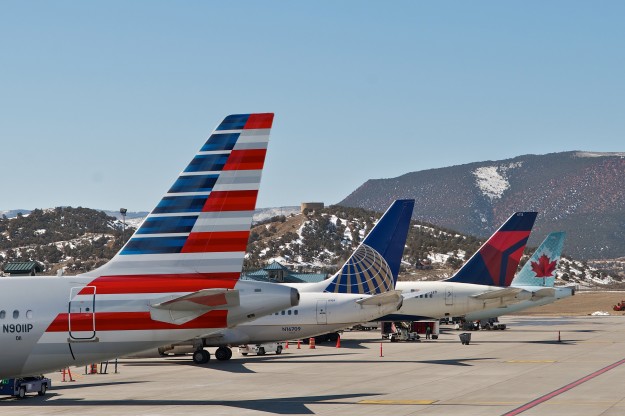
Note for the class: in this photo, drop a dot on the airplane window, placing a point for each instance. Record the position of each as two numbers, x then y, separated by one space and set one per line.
16 314
2 314
289 312
295 312
282 312
29 314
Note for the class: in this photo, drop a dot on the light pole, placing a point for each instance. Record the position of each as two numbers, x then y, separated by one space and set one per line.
123 211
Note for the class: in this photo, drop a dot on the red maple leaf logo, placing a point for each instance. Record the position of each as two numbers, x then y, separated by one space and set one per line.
544 268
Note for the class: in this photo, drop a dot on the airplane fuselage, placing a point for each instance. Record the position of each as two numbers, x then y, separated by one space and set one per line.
441 299
317 313
48 323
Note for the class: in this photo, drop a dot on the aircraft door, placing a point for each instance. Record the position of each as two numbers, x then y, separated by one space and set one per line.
81 316
449 295
322 317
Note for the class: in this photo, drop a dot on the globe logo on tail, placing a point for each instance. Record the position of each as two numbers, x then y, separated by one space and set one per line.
366 272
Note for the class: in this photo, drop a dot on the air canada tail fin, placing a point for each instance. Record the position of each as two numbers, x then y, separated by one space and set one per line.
496 262
374 266
201 225
540 269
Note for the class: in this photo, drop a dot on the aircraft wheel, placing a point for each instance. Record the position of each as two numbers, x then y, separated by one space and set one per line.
223 353
201 357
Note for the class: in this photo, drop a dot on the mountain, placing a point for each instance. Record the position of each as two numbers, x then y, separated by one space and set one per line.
81 239
77 239
323 240
582 193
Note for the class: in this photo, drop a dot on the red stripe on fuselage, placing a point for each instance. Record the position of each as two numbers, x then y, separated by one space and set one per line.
259 121
132 321
252 159
226 241
230 201
162 283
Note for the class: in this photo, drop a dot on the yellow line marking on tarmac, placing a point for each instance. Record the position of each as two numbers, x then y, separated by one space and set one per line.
400 402
530 361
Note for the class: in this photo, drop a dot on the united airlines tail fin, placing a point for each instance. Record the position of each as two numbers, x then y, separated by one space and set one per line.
496 262
374 266
540 269
201 226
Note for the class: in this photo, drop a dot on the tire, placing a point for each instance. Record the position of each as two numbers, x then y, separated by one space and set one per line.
201 357
222 354
261 351
21 393
229 352
42 390
279 350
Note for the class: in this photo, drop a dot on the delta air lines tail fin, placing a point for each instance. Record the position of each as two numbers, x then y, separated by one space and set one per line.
201 226
540 269
496 262
373 268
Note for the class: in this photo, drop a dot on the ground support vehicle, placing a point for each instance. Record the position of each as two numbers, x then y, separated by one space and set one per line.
261 349
18 387
492 323
409 330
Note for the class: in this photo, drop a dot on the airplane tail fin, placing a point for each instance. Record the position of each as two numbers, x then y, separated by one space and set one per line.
202 224
496 262
540 269
374 266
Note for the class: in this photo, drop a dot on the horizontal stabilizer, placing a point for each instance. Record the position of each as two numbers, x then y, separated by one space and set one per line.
507 292
182 309
547 292
393 296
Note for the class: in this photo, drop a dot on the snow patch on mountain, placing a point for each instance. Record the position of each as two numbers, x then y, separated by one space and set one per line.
492 180
262 214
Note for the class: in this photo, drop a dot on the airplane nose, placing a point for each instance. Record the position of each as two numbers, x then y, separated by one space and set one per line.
294 297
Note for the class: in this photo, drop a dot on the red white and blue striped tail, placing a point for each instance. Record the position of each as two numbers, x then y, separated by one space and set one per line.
202 224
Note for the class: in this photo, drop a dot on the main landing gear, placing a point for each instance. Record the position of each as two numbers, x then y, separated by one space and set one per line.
201 356
223 353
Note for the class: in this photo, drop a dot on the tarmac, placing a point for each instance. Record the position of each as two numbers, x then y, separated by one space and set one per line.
538 366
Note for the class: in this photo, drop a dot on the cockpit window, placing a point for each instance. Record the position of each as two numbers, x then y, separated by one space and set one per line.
16 314
29 314
3 314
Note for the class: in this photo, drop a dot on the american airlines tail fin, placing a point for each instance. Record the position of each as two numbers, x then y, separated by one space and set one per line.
201 226
496 262
540 269
374 266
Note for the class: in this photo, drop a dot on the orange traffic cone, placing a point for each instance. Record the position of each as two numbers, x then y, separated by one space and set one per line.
298 342
286 347
94 369
338 342
69 374
311 341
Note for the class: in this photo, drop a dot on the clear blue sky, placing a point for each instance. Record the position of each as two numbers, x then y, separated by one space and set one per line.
103 103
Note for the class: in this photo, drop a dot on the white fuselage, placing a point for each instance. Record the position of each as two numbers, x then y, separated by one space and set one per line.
560 293
317 313
446 299
48 323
